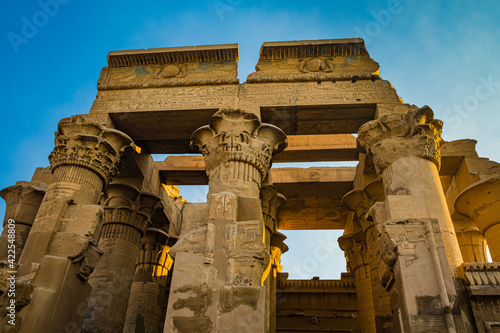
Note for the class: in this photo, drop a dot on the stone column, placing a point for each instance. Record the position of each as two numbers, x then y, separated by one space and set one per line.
419 243
217 281
22 203
147 295
277 249
127 213
359 263
481 201
60 253
472 242
405 150
270 200
360 201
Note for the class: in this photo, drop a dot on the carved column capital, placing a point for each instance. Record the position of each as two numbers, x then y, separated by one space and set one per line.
278 247
125 205
355 250
153 261
481 202
237 147
93 146
22 201
394 136
271 200
360 201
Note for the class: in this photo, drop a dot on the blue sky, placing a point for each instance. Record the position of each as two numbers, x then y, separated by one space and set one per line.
444 54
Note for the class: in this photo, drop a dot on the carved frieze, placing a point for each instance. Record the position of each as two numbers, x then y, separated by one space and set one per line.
318 68
168 75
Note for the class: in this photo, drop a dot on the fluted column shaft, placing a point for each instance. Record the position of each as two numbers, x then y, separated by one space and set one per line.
145 305
127 213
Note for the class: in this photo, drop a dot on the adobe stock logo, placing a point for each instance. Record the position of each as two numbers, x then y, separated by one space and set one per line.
30 27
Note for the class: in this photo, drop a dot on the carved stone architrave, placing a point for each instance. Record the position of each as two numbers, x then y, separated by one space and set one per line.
127 213
393 136
237 149
481 202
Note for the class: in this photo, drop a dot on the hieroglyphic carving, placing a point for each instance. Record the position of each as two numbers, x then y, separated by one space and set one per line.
223 207
312 93
161 99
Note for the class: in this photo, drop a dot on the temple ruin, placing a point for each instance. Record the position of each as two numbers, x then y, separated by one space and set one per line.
102 241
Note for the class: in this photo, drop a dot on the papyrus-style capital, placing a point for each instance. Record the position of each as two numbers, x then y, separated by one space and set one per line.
278 247
355 249
237 146
394 136
360 201
79 142
125 205
271 200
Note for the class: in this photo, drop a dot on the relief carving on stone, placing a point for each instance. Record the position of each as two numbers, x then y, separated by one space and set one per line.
168 75
314 68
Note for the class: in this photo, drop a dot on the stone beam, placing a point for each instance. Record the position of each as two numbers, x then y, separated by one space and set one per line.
190 170
313 196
